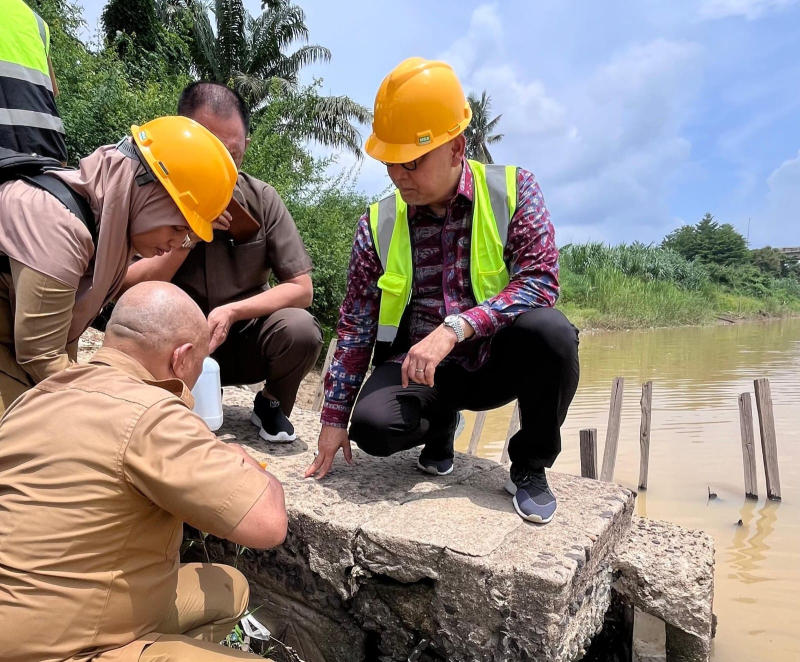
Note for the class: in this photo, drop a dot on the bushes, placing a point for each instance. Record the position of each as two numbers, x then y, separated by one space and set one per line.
638 260
328 225
637 285
609 298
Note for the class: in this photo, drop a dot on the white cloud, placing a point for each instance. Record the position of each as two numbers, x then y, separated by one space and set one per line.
606 146
779 225
750 9
483 36
532 112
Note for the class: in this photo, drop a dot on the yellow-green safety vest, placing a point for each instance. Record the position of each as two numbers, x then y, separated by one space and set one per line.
29 119
494 204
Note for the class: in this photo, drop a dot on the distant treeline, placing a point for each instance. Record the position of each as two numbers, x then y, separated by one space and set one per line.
699 272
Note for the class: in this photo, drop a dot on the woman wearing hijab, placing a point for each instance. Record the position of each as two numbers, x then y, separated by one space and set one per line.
147 193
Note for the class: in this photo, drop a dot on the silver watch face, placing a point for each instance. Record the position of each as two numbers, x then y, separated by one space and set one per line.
451 319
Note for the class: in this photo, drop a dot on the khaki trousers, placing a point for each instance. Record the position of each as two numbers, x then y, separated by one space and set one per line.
210 599
35 316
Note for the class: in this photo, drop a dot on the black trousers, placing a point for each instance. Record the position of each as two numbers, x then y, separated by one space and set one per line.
534 361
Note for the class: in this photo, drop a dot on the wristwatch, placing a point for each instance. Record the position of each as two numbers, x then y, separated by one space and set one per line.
457 324
188 243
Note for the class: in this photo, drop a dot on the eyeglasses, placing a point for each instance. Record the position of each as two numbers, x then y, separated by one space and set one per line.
411 165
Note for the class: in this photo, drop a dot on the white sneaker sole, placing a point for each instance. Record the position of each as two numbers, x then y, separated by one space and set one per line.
512 489
432 471
280 438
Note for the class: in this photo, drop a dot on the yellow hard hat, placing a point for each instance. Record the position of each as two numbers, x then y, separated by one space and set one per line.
192 164
420 105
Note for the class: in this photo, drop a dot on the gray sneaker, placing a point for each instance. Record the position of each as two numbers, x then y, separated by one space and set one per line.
533 500
435 467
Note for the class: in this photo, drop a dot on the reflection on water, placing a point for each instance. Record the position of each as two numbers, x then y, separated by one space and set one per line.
697 375
641 503
749 548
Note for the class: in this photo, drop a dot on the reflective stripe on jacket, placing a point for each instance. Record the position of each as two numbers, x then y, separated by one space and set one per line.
29 119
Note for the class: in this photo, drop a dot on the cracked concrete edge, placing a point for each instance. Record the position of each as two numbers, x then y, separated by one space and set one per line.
355 539
647 582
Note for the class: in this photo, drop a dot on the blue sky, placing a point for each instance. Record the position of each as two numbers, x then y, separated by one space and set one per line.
635 115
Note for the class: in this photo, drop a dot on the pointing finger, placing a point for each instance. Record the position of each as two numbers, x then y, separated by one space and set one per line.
326 466
312 468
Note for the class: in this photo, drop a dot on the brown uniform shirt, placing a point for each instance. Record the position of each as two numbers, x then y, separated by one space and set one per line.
222 271
99 468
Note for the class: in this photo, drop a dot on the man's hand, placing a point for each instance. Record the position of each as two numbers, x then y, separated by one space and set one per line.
331 439
222 223
220 321
423 358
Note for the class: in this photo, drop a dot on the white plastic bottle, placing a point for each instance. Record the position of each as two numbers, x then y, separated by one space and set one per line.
207 395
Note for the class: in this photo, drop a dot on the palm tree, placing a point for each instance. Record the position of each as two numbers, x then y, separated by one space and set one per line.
479 132
250 54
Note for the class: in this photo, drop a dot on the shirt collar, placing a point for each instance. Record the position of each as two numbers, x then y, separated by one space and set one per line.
465 187
116 359
464 190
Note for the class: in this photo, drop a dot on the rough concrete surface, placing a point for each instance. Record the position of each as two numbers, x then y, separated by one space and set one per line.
668 572
382 560
381 557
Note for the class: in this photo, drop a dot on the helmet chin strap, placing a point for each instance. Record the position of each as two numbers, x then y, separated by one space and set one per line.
129 149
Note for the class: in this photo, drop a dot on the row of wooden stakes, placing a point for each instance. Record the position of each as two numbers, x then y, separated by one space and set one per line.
588 438
766 422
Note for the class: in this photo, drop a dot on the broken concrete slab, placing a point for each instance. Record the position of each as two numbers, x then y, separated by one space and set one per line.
389 557
668 571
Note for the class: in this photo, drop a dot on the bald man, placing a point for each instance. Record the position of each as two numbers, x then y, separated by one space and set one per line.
100 465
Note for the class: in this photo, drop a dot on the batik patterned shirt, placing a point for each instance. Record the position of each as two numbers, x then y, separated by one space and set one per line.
442 286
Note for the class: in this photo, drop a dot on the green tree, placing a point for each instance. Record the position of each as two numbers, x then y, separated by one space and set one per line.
479 133
709 242
251 54
99 99
137 19
769 260
144 40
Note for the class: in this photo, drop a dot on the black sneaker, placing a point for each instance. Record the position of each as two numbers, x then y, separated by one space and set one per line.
268 415
533 499
436 457
435 467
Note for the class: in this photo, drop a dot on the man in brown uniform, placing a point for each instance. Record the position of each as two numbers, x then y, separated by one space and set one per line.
99 467
257 333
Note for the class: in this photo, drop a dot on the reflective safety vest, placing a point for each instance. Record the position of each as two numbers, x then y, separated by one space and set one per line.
494 204
29 119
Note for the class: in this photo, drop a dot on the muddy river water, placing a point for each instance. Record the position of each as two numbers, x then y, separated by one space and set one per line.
697 374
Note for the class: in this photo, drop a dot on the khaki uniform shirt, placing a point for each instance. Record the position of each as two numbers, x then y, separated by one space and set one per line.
99 468
223 271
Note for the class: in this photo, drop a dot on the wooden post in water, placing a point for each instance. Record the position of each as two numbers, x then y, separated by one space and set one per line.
644 434
769 443
319 396
480 421
612 432
589 453
748 446
513 428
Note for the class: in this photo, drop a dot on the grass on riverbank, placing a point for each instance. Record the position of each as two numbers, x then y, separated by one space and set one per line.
644 286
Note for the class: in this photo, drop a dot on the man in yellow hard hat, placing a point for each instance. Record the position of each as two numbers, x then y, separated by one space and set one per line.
452 284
